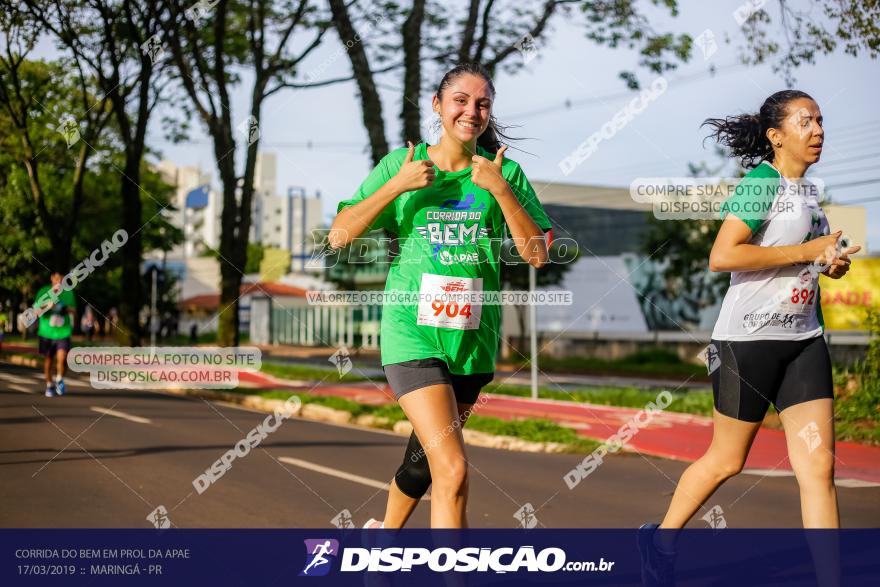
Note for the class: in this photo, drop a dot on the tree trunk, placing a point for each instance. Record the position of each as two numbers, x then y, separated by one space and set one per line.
467 35
230 275
129 333
371 104
227 319
234 241
410 116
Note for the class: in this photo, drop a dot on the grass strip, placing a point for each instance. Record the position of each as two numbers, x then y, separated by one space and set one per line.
304 372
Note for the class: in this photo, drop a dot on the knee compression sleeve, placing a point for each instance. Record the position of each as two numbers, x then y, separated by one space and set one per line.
413 477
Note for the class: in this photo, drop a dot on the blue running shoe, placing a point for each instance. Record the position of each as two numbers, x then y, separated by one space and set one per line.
50 390
60 388
658 567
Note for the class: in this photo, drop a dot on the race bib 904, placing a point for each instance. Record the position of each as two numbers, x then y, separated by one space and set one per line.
439 306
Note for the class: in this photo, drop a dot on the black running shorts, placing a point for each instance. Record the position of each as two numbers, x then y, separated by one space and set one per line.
49 347
412 375
753 374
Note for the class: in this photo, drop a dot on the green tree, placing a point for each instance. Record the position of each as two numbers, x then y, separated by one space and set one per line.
52 118
789 34
216 47
105 288
115 42
684 246
254 257
422 41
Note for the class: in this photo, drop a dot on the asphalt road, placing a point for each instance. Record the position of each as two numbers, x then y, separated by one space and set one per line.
108 458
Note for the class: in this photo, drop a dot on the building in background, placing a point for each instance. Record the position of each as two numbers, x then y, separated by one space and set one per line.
282 224
278 221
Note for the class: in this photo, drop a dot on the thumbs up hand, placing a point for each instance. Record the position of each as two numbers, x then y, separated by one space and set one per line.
414 175
487 174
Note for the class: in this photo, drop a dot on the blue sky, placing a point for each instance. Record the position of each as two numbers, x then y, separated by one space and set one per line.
658 142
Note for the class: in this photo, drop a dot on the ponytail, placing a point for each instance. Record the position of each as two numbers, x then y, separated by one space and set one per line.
746 135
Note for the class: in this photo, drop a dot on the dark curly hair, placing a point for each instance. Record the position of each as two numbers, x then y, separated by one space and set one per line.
746 134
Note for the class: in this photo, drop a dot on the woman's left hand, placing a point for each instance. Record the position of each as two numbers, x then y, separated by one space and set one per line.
840 265
487 174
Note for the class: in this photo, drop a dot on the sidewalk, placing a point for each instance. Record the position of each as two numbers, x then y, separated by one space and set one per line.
671 435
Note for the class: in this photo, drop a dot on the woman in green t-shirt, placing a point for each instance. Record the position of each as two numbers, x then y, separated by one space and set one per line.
450 205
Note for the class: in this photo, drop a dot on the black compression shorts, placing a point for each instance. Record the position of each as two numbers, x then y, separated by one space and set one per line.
753 374
412 375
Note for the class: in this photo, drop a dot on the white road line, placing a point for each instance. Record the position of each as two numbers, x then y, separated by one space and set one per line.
122 415
854 483
20 388
77 381
40 378
769 472
851 483
339 474
14 378
335 473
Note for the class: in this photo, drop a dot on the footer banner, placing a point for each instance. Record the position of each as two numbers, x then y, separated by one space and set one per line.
329 557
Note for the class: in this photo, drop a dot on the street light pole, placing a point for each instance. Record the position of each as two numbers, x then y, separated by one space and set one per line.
533 326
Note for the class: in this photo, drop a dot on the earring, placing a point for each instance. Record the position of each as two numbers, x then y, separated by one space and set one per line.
778 145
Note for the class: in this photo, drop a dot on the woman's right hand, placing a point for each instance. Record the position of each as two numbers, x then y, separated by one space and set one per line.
414 175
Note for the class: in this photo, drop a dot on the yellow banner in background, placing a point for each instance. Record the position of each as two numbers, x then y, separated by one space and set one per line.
845 300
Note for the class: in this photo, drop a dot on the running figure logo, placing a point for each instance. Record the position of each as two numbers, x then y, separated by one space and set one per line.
715 518
710 357
526 516
343 520
810 435
319 556
342 360
159 518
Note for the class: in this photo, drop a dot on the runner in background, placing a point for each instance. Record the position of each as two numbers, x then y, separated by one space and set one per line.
450 205
112 321
768 341
58 309
87 323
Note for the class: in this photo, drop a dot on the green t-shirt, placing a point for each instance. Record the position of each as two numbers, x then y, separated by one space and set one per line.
55 322
450 239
